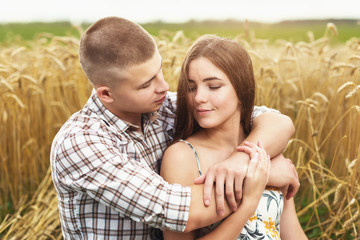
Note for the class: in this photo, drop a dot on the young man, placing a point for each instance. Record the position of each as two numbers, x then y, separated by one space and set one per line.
105 159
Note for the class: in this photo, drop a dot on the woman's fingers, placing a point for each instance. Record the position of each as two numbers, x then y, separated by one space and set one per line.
253 165
259 165
247 149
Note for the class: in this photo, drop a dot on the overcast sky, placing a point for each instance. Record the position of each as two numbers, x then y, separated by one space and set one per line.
142 11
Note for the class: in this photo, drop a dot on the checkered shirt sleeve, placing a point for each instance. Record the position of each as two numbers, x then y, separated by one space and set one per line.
106 183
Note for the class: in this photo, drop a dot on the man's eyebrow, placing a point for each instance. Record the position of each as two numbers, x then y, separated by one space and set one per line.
148 81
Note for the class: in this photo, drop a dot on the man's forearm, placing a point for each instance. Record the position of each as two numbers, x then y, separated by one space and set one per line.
274 130
199 215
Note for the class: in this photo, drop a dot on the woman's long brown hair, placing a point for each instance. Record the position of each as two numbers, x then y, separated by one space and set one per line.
231 58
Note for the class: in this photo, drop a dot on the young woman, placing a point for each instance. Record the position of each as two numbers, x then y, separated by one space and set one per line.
215 101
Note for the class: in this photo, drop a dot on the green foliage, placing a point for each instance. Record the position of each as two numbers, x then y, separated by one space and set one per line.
293 31
28 31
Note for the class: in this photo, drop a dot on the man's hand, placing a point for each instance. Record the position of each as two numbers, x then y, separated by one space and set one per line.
283 174
230 174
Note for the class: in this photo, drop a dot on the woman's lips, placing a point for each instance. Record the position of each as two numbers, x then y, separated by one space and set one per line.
203 111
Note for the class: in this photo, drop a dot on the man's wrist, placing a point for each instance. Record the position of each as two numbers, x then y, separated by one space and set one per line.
242 155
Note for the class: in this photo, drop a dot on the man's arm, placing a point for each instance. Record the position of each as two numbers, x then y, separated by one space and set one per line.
97 165
274 130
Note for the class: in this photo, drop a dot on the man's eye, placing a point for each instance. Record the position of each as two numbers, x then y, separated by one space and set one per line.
146 85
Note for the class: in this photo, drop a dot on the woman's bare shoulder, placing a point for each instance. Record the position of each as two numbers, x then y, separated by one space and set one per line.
179 164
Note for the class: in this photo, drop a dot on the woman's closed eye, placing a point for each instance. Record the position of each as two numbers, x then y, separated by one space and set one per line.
214 87
192 88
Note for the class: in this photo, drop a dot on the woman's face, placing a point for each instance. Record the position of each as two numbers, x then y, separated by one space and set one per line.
212 96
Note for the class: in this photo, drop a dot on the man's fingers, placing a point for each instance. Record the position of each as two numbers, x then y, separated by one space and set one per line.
238 188
290 192
208 186
219 195
200 180
294 187
285 191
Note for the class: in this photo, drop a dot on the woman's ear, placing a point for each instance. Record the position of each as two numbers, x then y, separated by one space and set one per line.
104 94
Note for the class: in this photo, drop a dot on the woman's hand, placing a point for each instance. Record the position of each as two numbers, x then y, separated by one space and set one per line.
258 172
255 182
283 173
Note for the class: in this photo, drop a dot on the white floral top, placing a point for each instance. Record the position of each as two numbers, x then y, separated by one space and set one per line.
265 223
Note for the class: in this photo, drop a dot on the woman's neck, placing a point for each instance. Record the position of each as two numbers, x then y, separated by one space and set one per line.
225 138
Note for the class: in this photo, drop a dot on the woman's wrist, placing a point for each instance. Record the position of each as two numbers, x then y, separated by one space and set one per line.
248 206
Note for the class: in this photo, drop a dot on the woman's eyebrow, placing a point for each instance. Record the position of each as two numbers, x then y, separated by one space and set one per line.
211 79
207 79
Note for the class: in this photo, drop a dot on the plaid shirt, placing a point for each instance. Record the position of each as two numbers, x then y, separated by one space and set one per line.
105 172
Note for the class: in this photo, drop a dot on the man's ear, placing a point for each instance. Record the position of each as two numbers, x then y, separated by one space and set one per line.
104 94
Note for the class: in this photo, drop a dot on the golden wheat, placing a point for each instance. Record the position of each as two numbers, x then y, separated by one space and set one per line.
315 83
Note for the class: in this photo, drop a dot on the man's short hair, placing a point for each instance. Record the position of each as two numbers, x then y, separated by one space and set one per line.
113 43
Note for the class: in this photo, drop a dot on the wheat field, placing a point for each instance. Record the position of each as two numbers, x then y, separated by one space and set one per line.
316 83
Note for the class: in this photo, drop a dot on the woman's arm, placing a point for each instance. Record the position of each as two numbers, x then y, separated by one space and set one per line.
290 227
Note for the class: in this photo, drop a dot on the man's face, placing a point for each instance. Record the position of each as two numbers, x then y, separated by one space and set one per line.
142 90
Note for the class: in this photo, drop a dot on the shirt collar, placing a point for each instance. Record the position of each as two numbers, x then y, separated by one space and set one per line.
111 119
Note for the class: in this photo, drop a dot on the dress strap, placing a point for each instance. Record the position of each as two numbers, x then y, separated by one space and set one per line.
196 155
